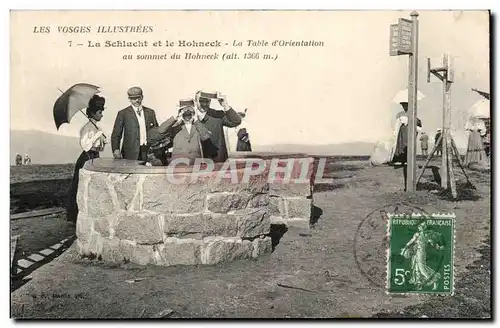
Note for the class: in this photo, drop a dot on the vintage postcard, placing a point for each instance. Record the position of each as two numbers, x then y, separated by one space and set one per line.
187 164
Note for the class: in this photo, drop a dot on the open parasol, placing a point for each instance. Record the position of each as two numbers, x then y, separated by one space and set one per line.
480 109
482 93
72 101
402 96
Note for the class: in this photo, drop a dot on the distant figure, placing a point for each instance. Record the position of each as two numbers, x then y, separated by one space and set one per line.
27 159
439 146
19 159
133 124
400 149
243 142
424 143
92 142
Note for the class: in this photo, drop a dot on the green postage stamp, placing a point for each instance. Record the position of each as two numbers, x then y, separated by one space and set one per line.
420 254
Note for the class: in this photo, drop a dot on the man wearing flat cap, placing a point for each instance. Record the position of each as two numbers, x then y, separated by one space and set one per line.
133 124
215 121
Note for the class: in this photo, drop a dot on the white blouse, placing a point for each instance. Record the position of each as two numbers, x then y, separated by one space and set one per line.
90 138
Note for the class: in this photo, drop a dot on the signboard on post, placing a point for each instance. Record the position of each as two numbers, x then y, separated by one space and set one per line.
404 41
401 38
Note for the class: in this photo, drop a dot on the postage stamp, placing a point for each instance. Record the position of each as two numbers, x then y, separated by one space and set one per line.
420 253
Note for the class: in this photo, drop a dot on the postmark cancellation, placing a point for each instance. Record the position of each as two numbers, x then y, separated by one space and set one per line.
420 256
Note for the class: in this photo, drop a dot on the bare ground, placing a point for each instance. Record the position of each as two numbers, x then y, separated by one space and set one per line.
307 276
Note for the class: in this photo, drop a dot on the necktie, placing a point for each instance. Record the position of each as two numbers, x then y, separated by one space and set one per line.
139 111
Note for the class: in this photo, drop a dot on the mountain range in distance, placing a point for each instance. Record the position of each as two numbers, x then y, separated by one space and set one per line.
48 148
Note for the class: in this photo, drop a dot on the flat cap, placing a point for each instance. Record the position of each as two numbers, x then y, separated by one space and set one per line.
134 92
186 102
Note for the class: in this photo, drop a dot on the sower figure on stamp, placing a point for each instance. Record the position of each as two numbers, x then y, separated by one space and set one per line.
416 250
215 121
133 124
399 152
92 141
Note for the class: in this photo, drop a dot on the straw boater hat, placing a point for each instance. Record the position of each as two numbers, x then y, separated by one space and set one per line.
186 102
209 94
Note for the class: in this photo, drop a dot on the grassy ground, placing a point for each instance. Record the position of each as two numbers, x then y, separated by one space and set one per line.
307 276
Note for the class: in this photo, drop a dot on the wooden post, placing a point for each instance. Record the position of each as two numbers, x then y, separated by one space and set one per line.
412 107
444 132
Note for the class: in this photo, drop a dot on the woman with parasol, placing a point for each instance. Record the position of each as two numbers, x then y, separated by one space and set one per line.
92 142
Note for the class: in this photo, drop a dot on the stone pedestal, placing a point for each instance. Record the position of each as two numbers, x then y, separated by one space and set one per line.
151 216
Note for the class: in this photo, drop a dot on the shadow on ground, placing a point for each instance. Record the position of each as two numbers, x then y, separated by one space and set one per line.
277 231
316 214
465 191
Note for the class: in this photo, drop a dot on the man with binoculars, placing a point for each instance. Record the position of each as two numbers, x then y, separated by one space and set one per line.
184 133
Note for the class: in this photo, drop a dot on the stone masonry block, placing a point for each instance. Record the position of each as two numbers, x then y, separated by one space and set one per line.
299 208
226 250
139 254
161 196
99 199
277 206
84 227
262 246
180 252
225 202
142 228
290 189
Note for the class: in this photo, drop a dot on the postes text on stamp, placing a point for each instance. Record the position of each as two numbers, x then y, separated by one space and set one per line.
420 253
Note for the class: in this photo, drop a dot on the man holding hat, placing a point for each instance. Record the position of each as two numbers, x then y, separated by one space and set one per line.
215 121
133 124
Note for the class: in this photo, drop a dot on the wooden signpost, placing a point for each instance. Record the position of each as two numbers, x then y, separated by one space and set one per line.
446 74
404 41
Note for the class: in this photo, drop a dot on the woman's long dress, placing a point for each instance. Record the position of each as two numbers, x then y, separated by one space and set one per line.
475 147
91 143
400 152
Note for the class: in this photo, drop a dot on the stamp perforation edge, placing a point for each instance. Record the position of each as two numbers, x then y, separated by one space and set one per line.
450 216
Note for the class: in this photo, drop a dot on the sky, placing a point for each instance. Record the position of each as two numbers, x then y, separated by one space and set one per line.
338 93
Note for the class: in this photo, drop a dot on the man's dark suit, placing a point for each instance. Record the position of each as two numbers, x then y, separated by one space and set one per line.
215 121
127 125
